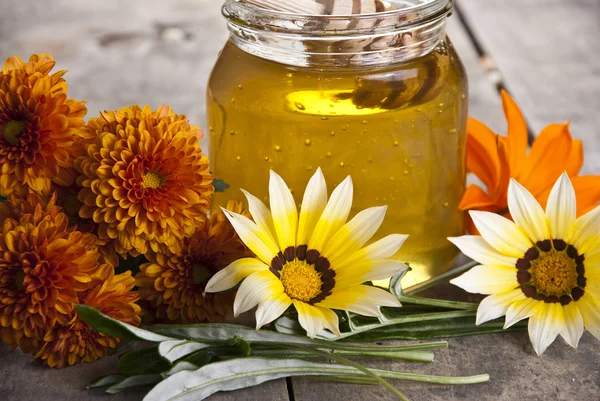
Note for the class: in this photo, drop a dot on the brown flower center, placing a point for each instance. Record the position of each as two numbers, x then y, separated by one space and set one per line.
201 273
152 180
552 271
12 131
304 274
20 279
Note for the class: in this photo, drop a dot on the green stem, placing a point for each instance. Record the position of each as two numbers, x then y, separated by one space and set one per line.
413 356
411 377
406 319
442 277
409 299
331 345
359 367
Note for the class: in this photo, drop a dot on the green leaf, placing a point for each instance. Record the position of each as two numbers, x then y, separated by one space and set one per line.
176 349
131 263
145 360
134 382
105 381
220 185
180 367
242 345
115 328
232 375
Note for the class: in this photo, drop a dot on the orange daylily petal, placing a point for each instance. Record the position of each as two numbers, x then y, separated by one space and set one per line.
575 160
547 159
587 191
505 175
482 154
475 198
517 135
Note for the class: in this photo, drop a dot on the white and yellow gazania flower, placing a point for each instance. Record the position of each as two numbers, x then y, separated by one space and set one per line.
314 260
542 266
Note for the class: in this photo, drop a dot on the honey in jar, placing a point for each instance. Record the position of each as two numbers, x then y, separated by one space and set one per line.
381 97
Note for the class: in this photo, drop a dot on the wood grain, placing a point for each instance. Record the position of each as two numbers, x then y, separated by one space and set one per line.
549 55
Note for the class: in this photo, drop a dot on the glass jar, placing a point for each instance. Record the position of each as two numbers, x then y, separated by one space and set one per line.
381 97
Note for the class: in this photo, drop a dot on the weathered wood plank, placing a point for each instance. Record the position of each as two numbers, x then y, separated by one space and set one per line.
517 374
23 379
549 56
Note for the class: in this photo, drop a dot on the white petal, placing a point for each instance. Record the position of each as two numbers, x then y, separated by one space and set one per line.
521 310
284 211
233 274
488 279
310 318
261 215
496 305
313 204
255 289
362 299
545 326
561 208
589 307
584 233
382 249
527 212
256 239
475 247
501 233
354 234
573 327
332 322
334 216
271 309
370 270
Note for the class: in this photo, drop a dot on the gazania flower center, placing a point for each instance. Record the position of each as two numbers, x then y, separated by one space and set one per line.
554 274
152 180
201 273
12 131
300 280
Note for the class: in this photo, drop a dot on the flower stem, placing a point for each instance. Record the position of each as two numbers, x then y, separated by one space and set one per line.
359 367
442 277
413 356
411 377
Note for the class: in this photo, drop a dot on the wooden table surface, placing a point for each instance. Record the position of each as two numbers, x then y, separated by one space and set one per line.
120 52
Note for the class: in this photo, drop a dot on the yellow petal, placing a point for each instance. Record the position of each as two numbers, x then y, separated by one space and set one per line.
488 279
261 215
475 247
234 273
501 233
527 212
362 299
256 288
545 326
256 239
313 204
271 309
370 270
383 249
354 234
285 213
561 208
334 216
496 305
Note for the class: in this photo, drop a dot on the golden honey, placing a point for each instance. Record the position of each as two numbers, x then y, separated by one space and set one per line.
398 129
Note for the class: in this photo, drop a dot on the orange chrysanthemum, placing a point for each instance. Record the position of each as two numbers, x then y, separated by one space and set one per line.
174 283
494 159
77 342
145 180
43 265
40 128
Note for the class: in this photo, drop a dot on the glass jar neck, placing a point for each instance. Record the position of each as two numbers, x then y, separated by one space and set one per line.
325 41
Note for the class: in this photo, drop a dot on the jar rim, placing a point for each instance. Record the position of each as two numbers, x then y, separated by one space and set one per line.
421 12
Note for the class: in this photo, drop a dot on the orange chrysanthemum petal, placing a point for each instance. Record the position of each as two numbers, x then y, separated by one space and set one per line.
145 181
44 264
76 342
40 128
173 284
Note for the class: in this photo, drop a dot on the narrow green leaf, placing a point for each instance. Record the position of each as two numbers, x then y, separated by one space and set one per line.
115 328
105 381
235 374
134 382
180 367
176 349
